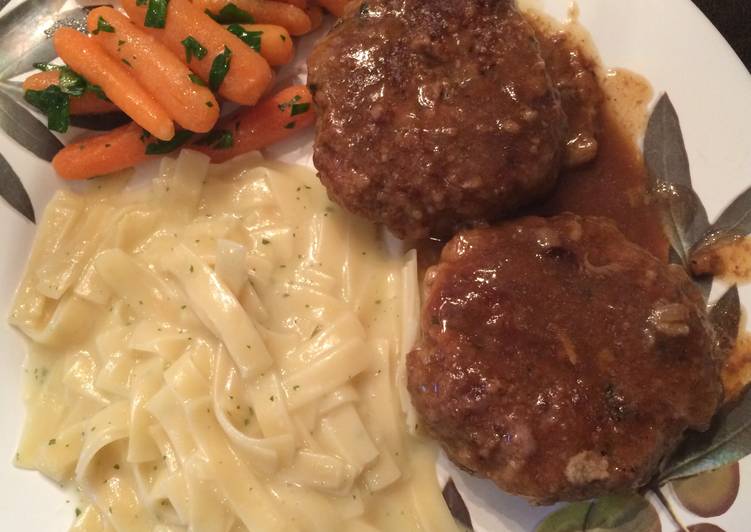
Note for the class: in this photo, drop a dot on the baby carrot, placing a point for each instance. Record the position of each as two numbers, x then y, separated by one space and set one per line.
302 4
272 120
86 104
222 60
185 98
89 59
264 12
272 42
116 150
335 7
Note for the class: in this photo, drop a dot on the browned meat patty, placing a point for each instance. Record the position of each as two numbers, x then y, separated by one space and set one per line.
573 75
559 359
434 114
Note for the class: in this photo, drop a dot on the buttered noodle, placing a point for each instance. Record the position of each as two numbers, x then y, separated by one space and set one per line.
218 351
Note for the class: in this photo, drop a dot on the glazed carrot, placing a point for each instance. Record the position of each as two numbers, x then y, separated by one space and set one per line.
264 12
274 119
302 4
90 60
335 7
191 34
273 42
86 104
157 69
116 150
315 14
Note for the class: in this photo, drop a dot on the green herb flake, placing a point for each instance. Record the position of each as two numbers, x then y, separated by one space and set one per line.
54 103
209 104
120 42
103 25
220 139
97 90
53 441
141 2
292 102
283 38
196 79
251 38
193 48
219 69
127 62
231 14
291 125
299 108
162 147
156 14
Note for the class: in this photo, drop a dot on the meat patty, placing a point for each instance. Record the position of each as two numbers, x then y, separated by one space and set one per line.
434 115
560 360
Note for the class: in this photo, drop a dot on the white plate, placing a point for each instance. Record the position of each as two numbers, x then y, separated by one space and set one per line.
668 41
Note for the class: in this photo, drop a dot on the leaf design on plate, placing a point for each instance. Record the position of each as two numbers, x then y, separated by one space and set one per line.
726 442
725 316
25 129
684 215
13 190
21 47
616 513
456 504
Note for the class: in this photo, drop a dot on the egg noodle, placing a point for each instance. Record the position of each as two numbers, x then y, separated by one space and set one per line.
218 350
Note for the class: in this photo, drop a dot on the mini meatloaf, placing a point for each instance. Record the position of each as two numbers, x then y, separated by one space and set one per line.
434 115
560 360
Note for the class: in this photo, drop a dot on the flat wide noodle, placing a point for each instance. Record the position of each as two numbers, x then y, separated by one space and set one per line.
217 351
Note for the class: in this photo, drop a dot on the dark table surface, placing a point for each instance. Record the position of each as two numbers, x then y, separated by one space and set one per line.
733 19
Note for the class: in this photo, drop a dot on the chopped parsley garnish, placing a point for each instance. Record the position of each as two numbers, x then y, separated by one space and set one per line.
283 38
291 103
103 25
156 14
251 38
70 82
141 2
209 104
96 89
219 69
299 108
54 103
126 62
291 125
220 139
193 48
196 79
231 14
161 147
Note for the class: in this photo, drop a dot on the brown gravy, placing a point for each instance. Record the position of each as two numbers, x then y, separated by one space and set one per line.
613 185
729 259
736 372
